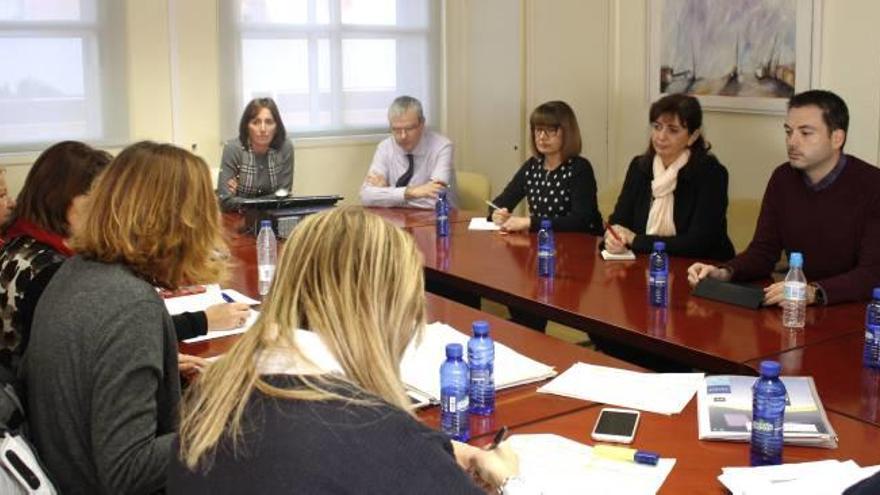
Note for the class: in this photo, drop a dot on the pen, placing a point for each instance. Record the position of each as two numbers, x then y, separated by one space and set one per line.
493 205
613 233
499 437
226 297
626 454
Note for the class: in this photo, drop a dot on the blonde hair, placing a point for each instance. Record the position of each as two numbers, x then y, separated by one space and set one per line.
153 209
345 274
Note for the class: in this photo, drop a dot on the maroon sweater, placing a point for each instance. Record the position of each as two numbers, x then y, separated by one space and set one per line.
837 229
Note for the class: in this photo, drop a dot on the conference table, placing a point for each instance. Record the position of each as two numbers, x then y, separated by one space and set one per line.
609 298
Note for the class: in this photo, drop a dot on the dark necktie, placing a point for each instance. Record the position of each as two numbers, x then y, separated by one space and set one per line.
404 179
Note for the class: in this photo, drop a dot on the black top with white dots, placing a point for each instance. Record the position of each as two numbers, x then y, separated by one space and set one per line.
566 195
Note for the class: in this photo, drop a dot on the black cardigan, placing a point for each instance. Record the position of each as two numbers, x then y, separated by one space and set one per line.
699 213
567 195
331 446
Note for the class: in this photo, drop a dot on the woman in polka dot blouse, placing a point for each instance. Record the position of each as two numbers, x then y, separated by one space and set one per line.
556 181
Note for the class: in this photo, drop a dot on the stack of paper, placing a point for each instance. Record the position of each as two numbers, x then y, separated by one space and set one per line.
551 465
480 223
624 256
200 302
724 405
807 478
420 368
664 393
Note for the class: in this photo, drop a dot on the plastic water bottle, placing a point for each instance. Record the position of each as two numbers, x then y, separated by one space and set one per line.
658 276
454 377
267 256
442 209
794 306
546 249
768 413
872 332
481 361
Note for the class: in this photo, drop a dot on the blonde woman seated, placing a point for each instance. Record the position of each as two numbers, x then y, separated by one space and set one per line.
310 399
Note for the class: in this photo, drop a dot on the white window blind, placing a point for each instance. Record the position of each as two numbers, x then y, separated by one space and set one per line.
61 72
332 66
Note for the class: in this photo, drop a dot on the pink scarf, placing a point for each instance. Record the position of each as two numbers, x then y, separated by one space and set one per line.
660 220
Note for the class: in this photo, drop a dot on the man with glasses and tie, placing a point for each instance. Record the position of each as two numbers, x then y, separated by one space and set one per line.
412 166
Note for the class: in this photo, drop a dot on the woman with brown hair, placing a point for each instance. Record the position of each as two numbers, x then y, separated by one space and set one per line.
260 160
50 209
310 399
676 192
101 369
557 182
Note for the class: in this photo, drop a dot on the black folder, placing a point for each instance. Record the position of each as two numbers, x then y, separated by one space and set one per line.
747 296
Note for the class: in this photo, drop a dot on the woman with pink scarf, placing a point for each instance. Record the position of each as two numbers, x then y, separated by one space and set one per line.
676 192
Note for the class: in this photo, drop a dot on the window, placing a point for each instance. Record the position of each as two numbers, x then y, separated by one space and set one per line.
57 73
332 66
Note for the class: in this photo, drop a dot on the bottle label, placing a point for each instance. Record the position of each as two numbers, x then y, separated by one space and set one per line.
458 404
795 291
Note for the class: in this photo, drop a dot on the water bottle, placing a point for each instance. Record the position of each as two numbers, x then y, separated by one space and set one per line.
546 250
872 332
481 361
658 276
454 377
768 412
267 256
794 306
442 209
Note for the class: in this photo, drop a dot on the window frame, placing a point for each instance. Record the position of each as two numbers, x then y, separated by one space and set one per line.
102 29
232 83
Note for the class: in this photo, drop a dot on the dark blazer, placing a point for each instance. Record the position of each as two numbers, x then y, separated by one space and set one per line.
700 211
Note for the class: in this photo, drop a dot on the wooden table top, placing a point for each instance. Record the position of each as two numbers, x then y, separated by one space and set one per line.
610 299
698 463
408 218
844 384
517 406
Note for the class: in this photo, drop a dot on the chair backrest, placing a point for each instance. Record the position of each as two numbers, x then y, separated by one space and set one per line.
473 190
742 216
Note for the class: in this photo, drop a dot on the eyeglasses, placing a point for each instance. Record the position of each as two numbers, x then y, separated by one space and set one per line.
550 131
405 130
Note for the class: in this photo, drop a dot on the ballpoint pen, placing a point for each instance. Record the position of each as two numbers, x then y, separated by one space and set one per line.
226 297
613 233
499 437
493 205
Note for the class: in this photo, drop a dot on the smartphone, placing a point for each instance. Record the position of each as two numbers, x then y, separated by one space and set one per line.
616 425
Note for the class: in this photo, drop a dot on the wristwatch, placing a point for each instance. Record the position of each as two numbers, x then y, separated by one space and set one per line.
819 297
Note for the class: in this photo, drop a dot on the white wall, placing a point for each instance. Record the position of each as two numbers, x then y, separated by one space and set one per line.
590 53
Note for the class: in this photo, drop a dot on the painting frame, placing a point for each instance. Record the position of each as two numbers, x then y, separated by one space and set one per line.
807 62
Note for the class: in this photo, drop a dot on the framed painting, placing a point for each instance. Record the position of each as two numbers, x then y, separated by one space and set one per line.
740 56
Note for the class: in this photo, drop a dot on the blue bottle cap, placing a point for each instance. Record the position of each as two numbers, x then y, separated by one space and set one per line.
546 223
481 328
659 246
453 350
265 223
876 292
796 260
770 369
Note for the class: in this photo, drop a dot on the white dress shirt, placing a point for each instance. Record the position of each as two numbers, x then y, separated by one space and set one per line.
432 159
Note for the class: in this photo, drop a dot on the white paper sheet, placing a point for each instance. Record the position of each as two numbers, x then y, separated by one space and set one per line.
552 465
806 478
480 223
420 368
200 302
663 393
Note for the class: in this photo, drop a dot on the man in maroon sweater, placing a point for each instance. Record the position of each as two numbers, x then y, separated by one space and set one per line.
822 203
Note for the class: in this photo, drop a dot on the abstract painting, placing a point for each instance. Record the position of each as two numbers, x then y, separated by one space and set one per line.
743 55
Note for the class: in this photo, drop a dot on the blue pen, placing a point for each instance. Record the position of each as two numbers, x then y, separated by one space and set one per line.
226 297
